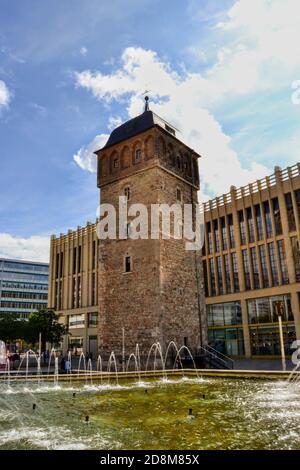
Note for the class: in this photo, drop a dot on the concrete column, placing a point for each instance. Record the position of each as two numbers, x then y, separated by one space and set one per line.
247 342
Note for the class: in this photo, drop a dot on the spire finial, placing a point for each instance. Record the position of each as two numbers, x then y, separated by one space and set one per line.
146 103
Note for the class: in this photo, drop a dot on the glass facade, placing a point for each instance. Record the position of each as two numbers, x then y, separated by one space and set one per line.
259 224
282 261
277 217
224 234
227 273
217 238
231 231
242 228
265 341
290 212
23 287
236 284
264 267
246 269
219 270
255 268
262 310
273 263
250 225
76 321
268 219
225 334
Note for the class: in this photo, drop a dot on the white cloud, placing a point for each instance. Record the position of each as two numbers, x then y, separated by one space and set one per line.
113 122
179 99
85 156
5 95
83 51
259 52
34 248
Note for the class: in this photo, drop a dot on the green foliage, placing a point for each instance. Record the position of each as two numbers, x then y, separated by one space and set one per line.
43 321
11 327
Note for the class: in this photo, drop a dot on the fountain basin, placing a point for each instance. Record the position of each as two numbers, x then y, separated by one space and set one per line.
228 413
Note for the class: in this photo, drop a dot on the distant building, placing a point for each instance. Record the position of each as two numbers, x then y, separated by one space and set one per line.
23 287
251 264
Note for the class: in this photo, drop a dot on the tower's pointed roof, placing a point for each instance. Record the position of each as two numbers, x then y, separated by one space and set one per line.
139 124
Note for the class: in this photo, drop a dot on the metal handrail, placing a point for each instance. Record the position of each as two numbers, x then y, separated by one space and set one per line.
221 354
213 354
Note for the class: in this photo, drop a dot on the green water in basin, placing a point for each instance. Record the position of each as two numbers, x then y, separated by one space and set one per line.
235 414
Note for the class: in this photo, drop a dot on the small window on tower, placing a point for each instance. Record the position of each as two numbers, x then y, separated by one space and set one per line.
178 195
127 193
138 155
128 264
116 163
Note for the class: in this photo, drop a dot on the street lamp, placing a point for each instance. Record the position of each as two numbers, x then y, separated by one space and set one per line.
279 309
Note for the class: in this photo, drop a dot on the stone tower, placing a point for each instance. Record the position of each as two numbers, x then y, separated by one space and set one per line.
149 289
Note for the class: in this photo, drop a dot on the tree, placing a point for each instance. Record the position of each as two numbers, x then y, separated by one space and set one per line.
12 327
45 322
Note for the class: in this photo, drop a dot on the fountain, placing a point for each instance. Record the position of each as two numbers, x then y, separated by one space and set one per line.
38 405
3 354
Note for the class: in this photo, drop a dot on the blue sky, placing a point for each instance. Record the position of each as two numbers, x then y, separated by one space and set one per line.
221 71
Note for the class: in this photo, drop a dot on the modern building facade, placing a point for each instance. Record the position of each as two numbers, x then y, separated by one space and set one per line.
251 264
23 287
73 281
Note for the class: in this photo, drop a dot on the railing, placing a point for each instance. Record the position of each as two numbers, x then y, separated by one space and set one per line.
259 185
222 360
221 355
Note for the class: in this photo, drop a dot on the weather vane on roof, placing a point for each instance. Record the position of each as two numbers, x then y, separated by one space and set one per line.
146 99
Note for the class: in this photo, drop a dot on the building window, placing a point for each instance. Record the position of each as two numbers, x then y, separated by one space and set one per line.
282 261
94 254
231 231
296 256
235 273
268 219
255 268
250 225
246 269
227 274
128 264
76 344
79 291
205 278
116 163
242 228
178 195
297 197
219 270
290 212
127 192
224 233
79 258
277 217
94 290
217 238
93 319
273 264
212 276
264 266
227 340
259 225
209 236
265 340
76 321
137 155
74 259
